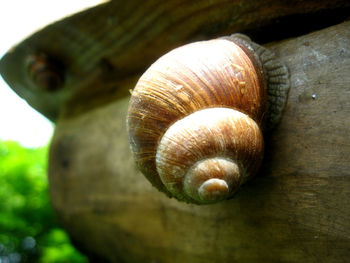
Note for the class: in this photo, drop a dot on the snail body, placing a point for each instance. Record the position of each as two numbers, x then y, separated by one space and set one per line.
196 117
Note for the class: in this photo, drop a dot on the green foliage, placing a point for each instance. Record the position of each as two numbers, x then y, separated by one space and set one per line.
29 231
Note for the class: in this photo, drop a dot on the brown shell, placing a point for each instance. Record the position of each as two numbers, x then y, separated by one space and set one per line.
207 74
214 143
45 73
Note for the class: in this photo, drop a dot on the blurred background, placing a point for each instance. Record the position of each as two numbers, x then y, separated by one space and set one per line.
29 229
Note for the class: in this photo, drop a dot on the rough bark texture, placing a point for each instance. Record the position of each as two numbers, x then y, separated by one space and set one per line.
297 209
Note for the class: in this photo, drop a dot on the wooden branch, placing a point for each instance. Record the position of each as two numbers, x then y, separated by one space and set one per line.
296 210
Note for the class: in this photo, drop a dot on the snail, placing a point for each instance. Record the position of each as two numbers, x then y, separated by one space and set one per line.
197 116
45 73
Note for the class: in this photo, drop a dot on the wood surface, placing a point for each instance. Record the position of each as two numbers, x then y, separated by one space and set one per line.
297 209
103 50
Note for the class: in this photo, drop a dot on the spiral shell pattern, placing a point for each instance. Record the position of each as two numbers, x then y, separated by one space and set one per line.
195 119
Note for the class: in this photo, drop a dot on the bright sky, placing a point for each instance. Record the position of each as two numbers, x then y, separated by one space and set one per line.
19 19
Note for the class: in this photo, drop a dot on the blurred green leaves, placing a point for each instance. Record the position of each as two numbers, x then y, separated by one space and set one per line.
29 231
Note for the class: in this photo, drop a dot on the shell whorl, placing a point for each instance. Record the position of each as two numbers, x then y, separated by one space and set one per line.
45 73
214 143
169 113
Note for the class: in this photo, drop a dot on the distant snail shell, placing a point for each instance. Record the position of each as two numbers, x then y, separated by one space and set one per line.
44 72
196 117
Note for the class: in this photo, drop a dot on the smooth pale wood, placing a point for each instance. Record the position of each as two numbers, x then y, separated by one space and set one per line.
297 209
105 49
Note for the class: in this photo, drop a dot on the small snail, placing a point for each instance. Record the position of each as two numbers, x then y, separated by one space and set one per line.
44 72
196 117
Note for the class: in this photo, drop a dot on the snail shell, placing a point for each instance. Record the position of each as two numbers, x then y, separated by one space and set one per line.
45 73
196 117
